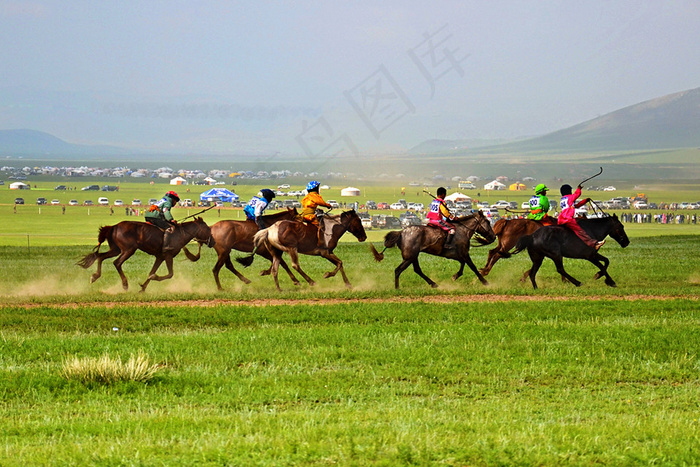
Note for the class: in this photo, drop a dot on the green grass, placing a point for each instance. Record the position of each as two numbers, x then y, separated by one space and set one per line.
561 375
578 382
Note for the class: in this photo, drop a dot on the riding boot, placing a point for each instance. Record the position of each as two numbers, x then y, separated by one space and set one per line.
167 239
449 241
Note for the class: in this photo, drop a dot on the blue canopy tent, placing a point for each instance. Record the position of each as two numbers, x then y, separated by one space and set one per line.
221 194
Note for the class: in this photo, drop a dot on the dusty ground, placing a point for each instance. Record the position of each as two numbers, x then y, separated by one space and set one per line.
326 301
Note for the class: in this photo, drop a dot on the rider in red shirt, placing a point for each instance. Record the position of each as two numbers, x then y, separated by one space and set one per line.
567 216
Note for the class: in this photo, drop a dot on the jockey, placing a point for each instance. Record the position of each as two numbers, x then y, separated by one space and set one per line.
567 216
539 205
438 215
257 205
159 215
311 202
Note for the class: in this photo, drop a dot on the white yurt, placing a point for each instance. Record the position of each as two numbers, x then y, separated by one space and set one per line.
350 191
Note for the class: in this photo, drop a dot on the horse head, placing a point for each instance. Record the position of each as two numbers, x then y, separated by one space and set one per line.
353 224
617 231
484 229
203 232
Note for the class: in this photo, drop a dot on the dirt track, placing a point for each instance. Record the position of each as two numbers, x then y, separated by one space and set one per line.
334 301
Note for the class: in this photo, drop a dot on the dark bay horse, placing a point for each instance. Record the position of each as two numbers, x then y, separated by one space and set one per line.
508 232
238 235
558 242
126 237
427 239
294 237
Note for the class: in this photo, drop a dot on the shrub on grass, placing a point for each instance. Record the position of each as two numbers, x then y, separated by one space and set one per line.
108 370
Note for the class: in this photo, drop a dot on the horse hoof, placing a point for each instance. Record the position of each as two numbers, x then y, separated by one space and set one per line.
455 277
246 281
435 286
485 282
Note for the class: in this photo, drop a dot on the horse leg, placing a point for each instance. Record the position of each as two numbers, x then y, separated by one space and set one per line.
559 263
536 263
113 251
294 257
338 267
494 255
473 267
217 267
267 255
118 265
153 276
419 271
399 269
602 263
459 273
232 268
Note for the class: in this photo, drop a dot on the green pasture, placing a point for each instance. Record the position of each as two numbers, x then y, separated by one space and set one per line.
463 374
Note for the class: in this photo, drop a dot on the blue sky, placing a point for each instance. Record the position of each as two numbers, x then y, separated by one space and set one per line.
317 77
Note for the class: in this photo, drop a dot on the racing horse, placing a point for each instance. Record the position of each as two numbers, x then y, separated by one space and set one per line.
294 237
415 239
238 235
126 237
559 242
508 232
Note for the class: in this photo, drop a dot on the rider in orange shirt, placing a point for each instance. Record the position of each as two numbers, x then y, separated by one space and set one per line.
311 202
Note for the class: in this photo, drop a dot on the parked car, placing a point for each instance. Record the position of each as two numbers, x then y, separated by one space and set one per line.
87 202
55 202
118 202
41 201
91 188
397 206
61 188
153 201
19 200
391 222
367 223
73 202
187 202
370 205
102 201
334 204
382 205
136 202
501 204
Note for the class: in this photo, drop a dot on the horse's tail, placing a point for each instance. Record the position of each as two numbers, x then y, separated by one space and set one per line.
88 260
378 256
392 239
259 239
524 242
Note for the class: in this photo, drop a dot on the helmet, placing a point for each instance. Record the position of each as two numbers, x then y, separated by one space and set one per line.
312 185
565 190
540 189
174 195
267 194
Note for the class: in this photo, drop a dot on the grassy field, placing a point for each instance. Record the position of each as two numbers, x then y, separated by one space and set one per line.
459 375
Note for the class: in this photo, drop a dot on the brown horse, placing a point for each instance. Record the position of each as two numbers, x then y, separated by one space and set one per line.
126 237
238 235
296 237
428 239
508 232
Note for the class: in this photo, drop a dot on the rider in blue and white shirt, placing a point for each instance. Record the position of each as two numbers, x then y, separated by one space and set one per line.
254 209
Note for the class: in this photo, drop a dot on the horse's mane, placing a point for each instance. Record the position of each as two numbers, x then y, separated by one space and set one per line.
281 213
464 218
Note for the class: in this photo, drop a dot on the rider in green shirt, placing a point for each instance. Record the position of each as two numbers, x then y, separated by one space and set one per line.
539 205
159 215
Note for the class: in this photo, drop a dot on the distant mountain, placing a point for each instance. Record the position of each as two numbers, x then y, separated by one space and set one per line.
38 143
442 145
671 121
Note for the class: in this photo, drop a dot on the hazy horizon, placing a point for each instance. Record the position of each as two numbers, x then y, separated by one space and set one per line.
314 79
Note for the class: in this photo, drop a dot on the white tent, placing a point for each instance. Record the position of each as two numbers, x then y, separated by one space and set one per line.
178 181
494 185
210 180
350 191
456 196
19 186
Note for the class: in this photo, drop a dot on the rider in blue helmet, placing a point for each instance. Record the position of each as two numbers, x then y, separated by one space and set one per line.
254 209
